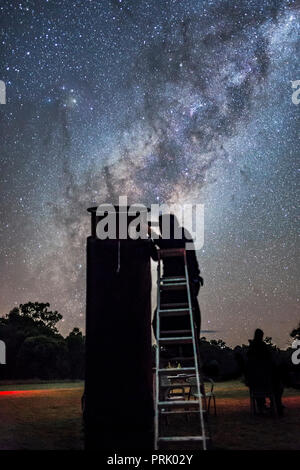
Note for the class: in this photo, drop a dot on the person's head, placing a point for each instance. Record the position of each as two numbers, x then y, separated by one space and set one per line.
258 335
168 225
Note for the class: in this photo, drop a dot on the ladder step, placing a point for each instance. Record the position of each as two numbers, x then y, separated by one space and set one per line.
180 371
178 412
185 403
181 358
173 286
175 385
176 340
173 278
170 252
175 332
182 438
175 305
174 312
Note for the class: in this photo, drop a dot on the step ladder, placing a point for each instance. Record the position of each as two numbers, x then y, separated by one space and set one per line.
165 406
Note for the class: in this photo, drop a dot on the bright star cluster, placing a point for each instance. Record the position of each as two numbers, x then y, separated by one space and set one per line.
168 101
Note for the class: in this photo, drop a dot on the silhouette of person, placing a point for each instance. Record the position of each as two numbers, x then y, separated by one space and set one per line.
174 266
279 377
262 372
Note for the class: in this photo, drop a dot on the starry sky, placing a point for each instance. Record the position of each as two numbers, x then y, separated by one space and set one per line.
171 101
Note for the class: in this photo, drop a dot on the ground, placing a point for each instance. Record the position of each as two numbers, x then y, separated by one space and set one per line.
48 416
235 429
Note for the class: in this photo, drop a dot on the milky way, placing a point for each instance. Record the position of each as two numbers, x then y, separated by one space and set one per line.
165 102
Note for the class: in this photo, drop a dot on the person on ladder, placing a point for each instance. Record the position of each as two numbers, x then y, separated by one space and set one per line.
174 266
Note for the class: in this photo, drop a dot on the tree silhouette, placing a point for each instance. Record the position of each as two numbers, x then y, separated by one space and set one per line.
40 314
296 332
75 344
218 342
34 347
43 357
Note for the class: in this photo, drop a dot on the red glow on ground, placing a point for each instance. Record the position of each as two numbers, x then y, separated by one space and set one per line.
20 392
6 393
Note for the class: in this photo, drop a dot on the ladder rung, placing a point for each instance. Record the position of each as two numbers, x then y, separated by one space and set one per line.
173 278
174 332
170 252
182 438
176 340
173 286
179 403
175 385
174 370
181 358
175 305
179 412
174 312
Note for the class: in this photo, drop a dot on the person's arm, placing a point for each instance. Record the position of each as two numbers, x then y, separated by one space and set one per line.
153 249
194 271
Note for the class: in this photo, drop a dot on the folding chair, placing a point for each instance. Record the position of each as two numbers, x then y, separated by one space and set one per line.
209 394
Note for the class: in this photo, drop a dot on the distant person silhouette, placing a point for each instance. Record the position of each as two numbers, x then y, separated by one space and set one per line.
174 266
263 372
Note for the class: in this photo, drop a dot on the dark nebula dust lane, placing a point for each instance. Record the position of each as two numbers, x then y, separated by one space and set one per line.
165 102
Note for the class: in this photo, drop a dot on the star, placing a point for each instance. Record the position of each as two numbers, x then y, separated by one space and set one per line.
165 102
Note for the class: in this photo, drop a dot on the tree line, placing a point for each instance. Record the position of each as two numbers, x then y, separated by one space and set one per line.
222 362
35 348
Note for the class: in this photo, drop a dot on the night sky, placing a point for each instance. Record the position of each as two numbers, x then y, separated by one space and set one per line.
163 101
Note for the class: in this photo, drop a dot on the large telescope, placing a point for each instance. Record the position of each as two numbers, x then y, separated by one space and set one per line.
118 399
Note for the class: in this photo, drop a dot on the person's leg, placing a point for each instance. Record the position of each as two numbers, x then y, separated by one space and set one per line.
261 404
154 323
278 396
196 314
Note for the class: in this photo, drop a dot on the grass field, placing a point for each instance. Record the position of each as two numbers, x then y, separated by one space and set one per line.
48 416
